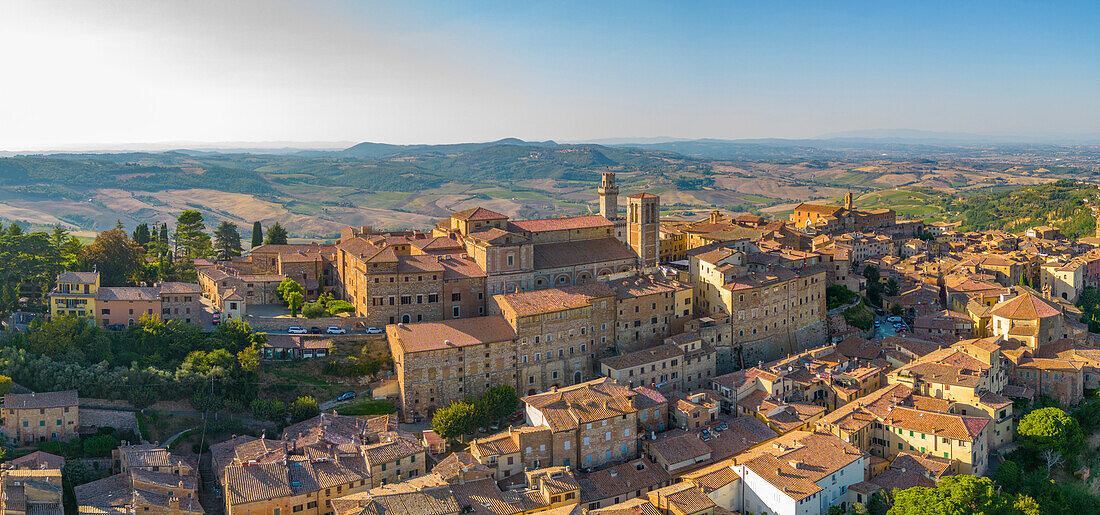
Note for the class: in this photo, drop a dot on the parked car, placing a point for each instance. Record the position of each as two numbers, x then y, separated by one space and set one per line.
879 311
373 330
314 330
216 318
296 330
116 327
346 396
336 330
877 323
516 416
894 318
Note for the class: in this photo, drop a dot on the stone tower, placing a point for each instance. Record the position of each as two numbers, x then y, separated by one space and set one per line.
643 227
848 203
609 196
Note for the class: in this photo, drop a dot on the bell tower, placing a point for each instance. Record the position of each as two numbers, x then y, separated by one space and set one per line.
643 227
609 196
848 203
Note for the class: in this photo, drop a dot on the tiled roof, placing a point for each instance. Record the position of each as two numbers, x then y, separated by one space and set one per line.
683 497
678 449
714 477
566 223
818 208
179 288
582 252
37 460
797 460
619 480
477 213
656 354
77 277
40 400
1025 306
392 447
582 403
637 506
450 333
496 445
553 299
128 293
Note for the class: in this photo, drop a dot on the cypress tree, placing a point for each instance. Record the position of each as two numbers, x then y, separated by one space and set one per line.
257 235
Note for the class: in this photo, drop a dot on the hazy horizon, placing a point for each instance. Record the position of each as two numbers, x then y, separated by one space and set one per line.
96 75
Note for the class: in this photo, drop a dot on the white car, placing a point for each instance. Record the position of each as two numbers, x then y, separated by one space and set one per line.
336 330
374 330
894 319
296 330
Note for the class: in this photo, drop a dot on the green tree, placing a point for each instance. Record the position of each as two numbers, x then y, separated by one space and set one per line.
286 287
115 256
304 408
268 409
453 420
335 307
294 301
1008 476
1050 428
141 235
227 241
501 401
257 235
100 445
191 238
276 235
313 310
963 494
1027 505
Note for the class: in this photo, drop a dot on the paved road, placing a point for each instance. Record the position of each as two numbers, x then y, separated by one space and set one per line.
885 329
332 403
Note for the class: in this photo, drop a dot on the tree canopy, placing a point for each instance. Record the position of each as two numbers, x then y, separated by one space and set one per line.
191 238
257 235
1050 428
276 235
116 257
227 241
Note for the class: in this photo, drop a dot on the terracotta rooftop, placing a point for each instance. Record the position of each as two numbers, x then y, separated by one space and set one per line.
561 224
1025 306
39 400
455 333
478 214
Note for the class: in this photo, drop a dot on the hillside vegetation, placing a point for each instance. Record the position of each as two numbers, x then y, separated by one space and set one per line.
316 193
1063 204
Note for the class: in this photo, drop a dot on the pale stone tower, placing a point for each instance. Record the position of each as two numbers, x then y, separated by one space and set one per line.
609 204
609 196
643 226
848 204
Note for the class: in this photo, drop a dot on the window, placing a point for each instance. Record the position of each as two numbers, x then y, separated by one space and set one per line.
567 445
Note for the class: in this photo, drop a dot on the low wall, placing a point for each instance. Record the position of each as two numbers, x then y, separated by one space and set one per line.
261 324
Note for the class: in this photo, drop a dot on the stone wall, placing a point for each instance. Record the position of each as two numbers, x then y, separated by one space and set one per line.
261 324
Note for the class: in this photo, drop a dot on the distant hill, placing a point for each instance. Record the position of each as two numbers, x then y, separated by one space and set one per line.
316 192
375 150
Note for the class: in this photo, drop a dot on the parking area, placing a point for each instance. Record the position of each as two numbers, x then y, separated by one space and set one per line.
884 325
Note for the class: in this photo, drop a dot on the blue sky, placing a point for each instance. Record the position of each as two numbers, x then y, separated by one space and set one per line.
122 71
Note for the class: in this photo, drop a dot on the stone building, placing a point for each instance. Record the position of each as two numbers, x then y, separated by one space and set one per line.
313 463
40 417
591 424
32 484
148 479
437 363
557 332
825 219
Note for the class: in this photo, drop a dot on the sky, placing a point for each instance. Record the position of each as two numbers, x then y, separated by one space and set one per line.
82 73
